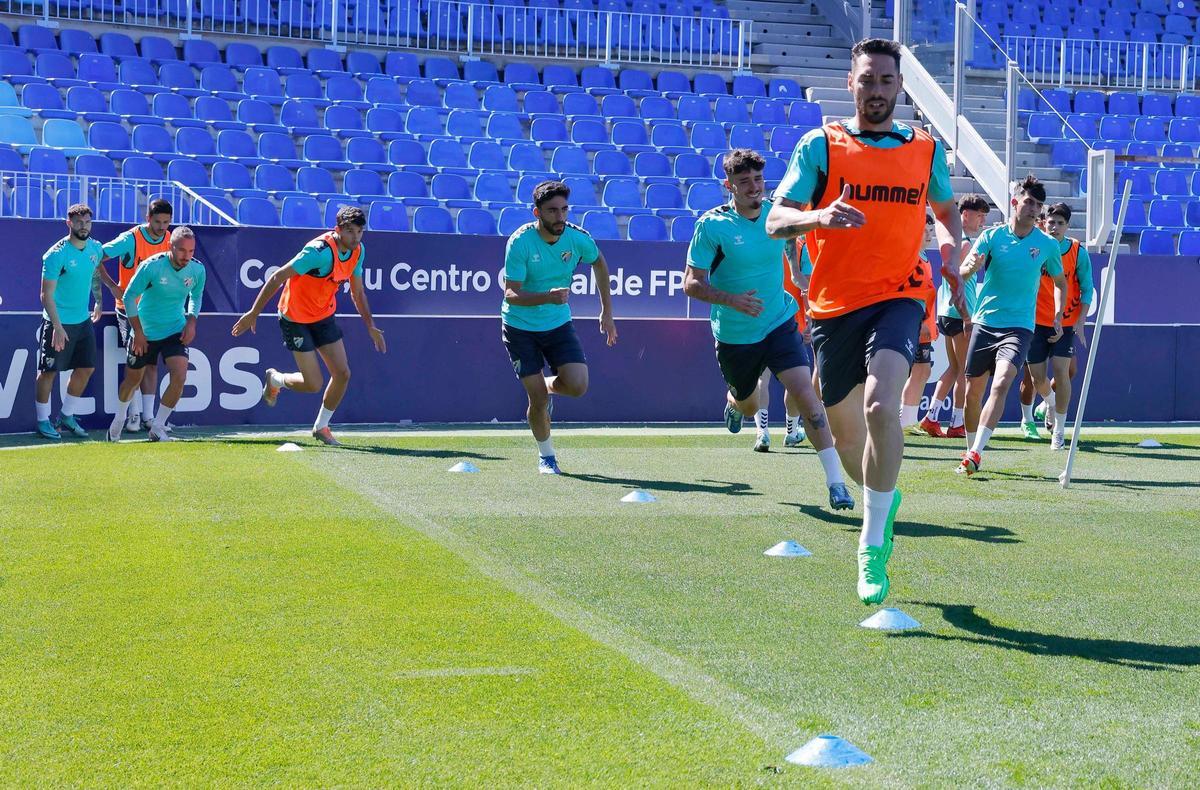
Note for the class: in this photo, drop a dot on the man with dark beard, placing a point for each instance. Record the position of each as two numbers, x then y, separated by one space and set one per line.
859 188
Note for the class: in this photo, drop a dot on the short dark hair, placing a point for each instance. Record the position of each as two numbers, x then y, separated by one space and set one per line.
79 210
973 202
1059 209
350 215
876 46
741 160
1032 187
547 190
159 206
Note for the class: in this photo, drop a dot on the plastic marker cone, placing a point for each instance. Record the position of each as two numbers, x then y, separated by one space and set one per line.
890 620
464 466
289 447
639 496
829 751
787 548
1149 444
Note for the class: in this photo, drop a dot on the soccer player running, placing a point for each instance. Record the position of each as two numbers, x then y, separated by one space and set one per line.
130 250
955 330
1077 269
734 265
796 269
535 319
922 367
66 339
1013 257
867 291
310 282
162 304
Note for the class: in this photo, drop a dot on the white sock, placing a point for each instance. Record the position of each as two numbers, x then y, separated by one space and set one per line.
69 404
790 424
148 405
1027 412
43 410
959 418
1060 422
981 439
875 513
323 418
761 420
935 411
832 465
277 379
1050 409
123 408
164 414
908 415
970 439
546 448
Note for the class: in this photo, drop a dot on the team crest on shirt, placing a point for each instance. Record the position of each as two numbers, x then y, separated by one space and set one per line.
187 282
1033 253
566 256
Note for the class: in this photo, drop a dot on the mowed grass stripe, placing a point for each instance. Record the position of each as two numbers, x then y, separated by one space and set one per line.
214 614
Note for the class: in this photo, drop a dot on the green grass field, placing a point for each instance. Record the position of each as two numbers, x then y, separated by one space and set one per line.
216 613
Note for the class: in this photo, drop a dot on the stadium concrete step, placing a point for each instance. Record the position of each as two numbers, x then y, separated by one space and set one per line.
813 78
815 36
843 107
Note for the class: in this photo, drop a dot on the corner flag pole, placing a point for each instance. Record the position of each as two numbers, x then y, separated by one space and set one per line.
1105 295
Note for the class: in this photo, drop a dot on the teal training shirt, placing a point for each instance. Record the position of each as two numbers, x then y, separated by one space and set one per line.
165 293
739 256
810 162
1083 271
317 258
945 307
72 269
1012 272
541 267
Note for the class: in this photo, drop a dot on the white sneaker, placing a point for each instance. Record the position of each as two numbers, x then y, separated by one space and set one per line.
169 428
1057 441
114 430
159 435
134 423
762 442
794 439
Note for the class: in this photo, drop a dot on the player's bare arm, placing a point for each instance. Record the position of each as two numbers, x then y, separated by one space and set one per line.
269 289
696 286
358 295
789 219
949 235
608 327
514 294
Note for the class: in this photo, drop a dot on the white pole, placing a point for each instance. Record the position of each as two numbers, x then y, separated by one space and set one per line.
1105 295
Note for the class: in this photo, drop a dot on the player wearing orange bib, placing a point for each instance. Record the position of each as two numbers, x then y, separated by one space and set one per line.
130 250
310 283
867 292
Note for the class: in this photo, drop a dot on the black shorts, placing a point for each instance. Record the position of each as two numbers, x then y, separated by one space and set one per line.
123 328
309 337
1040 347
78 352
531 351
950 327
846 344
924 354
169 346
990 345
743 363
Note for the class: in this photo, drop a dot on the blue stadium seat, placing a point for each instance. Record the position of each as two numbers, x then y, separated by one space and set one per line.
117 204
1150 130
133 107
234 179
141 168
631 137
15 65
538 103
220 81
673 84
118 46
583 193
1090 102
704 195
1116 129
560 79
257 116
1156 242
577 106
384 92
48 161
387 216
1186 106
481 73
1086 126
240 55
364 185
299 116
1166 214
410 187
623 196
305 86
432 219
317 182
263 84
93 165
708 84
654 109
460 96
617 106
33 202
747 135
1044 127
154 141
57 69
179 78
279 149
695 109
500 98
768 112
635 82
601 224
275 180
527 158
197 144
1122 103
1069 155
285 60
476 222
494 190
175 110
425 123
682 228
670 138
665 200
257 211
188 173
522 77
109 138
646 227
1189 242
36 38
441 69
784 88
784 139
598 81
730 110
548 132
464 126
513 218
325 151
324 62
570 160
748 86
410 155
157 49
693 166
653 168
1142 188
201 52
44 100
239 147
214 112
709 139
401 65
485 155
90 104
590 135
1184 130
8 100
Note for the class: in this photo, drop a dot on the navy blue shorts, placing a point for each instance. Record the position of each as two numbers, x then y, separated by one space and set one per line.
743 363
309 337
531 351
1041 349
78 352
846 344
990 345
924 354
950 327
169 346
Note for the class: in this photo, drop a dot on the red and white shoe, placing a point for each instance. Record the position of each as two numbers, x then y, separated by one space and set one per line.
933 428
971 461
325 436
270 391
958 432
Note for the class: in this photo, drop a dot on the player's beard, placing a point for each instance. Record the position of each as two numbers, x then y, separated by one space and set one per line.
878 116
556 229
82 235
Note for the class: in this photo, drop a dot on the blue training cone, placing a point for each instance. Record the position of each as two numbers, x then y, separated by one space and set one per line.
1149 444
464 466
890 620
829 751
787 548
639 496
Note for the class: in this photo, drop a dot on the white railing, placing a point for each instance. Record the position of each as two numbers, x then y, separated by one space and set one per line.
1080 63
48 195
469 28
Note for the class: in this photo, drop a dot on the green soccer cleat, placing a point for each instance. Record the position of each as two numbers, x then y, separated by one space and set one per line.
1029 430
889 528
873 582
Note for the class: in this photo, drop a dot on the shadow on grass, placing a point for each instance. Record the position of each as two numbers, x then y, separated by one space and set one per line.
678 486
914 529
1135 655
1126 450
1130 485
375 449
